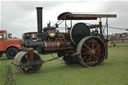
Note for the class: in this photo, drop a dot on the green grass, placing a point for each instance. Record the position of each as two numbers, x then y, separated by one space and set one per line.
113 71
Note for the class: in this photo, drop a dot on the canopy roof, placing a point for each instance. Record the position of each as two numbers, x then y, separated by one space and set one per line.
76 16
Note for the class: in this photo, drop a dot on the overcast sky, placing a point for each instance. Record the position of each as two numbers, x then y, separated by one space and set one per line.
18 17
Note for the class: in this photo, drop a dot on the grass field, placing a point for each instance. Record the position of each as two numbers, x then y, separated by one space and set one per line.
113 71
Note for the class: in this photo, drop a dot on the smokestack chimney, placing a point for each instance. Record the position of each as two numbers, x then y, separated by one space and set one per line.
39 21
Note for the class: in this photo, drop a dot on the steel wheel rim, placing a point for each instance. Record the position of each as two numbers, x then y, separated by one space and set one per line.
92 51
82 59
29 68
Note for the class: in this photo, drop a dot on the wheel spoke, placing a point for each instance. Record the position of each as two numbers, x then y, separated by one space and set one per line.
27 67
92 51
84 49
98 51
90 59
92 44
87 46
84 57
97 47
95 59
85 53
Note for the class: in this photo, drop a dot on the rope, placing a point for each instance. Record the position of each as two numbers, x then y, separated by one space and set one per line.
9 80
54 57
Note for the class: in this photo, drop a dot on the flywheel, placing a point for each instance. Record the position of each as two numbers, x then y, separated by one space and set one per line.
78 32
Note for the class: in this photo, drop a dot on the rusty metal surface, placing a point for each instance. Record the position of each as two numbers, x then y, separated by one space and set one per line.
30 53
52 45
76 16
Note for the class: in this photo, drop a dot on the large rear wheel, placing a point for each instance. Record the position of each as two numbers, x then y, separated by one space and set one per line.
91 51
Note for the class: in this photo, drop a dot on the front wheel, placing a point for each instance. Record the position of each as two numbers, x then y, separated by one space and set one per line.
11 52
23 64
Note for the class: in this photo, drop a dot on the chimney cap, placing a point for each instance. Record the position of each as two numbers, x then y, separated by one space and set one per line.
39 7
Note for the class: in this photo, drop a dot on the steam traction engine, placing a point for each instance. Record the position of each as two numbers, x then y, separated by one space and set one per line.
78 44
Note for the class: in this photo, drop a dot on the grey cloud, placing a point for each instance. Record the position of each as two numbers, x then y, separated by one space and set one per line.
119 7
20 16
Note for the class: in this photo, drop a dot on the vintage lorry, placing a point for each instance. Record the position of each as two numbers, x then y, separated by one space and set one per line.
9 46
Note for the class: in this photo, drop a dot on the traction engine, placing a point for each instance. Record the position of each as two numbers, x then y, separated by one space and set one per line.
81 43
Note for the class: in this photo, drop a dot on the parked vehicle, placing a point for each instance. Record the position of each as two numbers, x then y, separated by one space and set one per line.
80 43
9 46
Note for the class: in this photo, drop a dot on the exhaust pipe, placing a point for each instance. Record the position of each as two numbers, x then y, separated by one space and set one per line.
39 21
